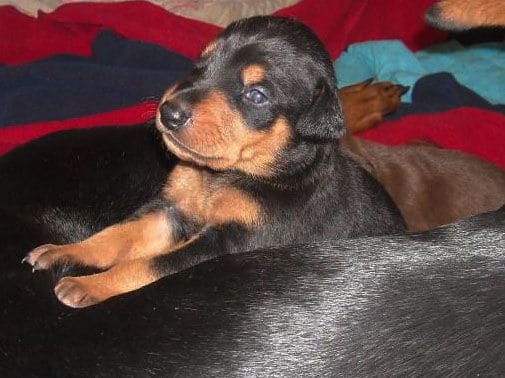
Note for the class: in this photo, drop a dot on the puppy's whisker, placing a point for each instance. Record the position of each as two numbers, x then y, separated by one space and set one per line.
150 98
148 114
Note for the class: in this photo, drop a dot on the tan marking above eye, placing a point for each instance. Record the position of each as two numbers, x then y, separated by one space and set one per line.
209 49
253 74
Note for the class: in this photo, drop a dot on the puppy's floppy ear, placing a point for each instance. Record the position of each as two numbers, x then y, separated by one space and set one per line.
324 118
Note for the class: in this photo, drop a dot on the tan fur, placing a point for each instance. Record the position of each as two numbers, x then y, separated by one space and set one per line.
473 13
209 49
122 278
253 74
205 201
365 105
88 290
220 139
146 236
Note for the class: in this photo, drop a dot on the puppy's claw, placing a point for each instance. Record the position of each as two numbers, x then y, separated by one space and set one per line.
36 267
44 256
33 256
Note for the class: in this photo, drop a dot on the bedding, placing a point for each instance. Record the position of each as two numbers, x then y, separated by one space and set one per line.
439 92
68 49
218 12
393 61
32 7
119 73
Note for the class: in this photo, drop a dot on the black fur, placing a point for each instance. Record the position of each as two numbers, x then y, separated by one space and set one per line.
429 304
314 191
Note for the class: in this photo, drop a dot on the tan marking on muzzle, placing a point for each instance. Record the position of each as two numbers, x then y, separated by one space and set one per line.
219 138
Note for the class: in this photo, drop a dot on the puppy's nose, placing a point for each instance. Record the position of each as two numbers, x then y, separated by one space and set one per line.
173 116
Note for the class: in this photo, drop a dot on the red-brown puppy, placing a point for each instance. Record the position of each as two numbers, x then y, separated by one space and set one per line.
431 186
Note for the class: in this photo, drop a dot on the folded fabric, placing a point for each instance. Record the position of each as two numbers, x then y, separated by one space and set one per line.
218 12
394 61
118 74
340 23
32 7
441 92
72 27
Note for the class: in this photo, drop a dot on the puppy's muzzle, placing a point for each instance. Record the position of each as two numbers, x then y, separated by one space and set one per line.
173 116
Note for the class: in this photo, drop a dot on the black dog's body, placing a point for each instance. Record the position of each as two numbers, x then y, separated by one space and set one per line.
72 184
256 126
431 304
420 305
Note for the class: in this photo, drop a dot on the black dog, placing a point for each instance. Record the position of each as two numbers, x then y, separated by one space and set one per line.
256 126
429 304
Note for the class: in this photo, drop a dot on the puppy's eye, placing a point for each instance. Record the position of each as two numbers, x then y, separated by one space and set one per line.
256 96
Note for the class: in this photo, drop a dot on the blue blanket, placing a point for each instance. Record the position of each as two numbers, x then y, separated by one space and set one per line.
120 73
392 60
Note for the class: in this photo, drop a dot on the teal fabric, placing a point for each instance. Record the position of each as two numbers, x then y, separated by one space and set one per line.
480 67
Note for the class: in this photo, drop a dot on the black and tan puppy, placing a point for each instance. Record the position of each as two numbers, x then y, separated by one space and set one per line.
256 126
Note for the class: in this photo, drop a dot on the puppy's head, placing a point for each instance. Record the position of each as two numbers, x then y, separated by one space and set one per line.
260 95
458 15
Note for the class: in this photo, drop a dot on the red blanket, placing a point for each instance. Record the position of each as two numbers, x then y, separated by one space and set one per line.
71 29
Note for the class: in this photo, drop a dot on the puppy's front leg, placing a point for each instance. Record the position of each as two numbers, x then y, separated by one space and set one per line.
131 275
151 231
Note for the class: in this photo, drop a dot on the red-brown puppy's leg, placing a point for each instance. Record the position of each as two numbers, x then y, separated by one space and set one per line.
431 186
366 104
466 14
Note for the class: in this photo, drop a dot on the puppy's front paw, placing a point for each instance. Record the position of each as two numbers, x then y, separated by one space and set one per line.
365 104
44 256
78 292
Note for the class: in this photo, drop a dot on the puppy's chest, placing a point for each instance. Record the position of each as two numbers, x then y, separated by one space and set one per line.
208 198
